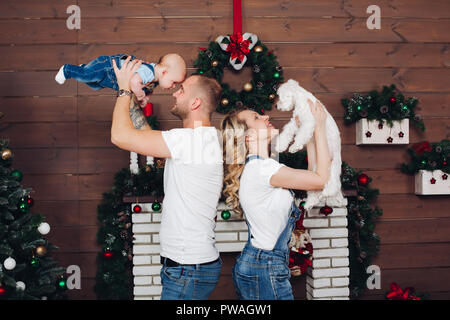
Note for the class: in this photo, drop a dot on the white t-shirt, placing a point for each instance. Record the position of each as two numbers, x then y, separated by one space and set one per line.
193 179
266 207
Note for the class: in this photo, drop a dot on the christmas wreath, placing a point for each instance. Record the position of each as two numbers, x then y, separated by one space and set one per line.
233 52
389 104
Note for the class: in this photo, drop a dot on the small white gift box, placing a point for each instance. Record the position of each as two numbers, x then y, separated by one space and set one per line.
431 182
371 132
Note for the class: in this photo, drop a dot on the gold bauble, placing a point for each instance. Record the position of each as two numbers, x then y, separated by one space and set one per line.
214 63
248 86
258 49
6 154
224 102
148 168
272 96
41 251
160 163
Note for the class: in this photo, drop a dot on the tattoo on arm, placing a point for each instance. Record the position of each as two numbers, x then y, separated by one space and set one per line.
138 117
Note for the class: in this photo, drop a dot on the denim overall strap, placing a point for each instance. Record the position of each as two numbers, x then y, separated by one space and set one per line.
282 244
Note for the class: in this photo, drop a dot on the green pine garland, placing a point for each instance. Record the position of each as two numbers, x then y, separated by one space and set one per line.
389 104
19 237
267 75
426 156
114 280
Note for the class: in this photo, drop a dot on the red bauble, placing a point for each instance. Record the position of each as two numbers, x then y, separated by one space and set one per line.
326 210
363 179
108 254
2 291
137 209
392 99
148 109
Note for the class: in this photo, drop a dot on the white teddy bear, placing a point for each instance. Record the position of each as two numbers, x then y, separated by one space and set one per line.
293 96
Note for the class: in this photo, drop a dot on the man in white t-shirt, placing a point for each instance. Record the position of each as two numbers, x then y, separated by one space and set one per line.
193 178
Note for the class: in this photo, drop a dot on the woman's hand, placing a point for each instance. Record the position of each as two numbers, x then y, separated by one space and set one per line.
318 113
127 71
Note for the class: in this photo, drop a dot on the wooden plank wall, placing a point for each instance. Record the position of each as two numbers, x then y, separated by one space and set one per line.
60 134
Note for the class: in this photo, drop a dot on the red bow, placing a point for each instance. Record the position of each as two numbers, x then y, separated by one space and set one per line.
422 147
238 47
148 109
397 293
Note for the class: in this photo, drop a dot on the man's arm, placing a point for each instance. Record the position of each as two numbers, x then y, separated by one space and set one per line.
123 131
137 116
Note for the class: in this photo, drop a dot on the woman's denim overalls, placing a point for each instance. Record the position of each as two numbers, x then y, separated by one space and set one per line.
264 274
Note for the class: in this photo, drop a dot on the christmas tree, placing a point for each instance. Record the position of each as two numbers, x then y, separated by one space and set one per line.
27 270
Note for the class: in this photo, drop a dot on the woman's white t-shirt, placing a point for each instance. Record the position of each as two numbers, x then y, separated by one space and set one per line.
266 208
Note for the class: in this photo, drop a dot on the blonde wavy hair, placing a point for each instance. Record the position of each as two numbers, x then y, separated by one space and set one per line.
235 151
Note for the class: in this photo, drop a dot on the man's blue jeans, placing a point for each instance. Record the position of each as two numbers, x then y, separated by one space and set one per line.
189 282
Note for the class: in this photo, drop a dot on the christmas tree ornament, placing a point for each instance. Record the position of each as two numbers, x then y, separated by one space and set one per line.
62 283
225 215
44 228
23 207
363 179
156 206
272 96
148 168
6 154
41 251
34 262
214 63
326 210
9 263
444 176
2 291
224 102
258 49
20 286
108 253
248 86
137 208
239 46
380 126
389 140
432 180
392 99
256 69
368 134
17 175
276 75
401 134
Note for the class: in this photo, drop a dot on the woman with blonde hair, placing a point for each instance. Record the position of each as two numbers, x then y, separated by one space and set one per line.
258 187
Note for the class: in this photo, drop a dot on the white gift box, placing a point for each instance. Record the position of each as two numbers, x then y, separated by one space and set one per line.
368 132
424 182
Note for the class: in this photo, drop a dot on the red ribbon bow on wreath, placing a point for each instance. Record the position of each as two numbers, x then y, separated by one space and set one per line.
397 293
239 46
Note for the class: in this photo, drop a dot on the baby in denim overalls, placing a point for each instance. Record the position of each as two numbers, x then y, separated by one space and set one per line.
99 74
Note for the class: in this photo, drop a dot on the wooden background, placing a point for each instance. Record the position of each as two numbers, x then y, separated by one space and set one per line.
60 134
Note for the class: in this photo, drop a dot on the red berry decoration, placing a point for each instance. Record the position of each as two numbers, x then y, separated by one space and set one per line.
401 134
326 210
444 176
389 140
380 126
137 209
368 134
433 180
363 179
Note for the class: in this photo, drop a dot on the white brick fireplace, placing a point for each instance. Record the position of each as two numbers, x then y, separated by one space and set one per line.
326 279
